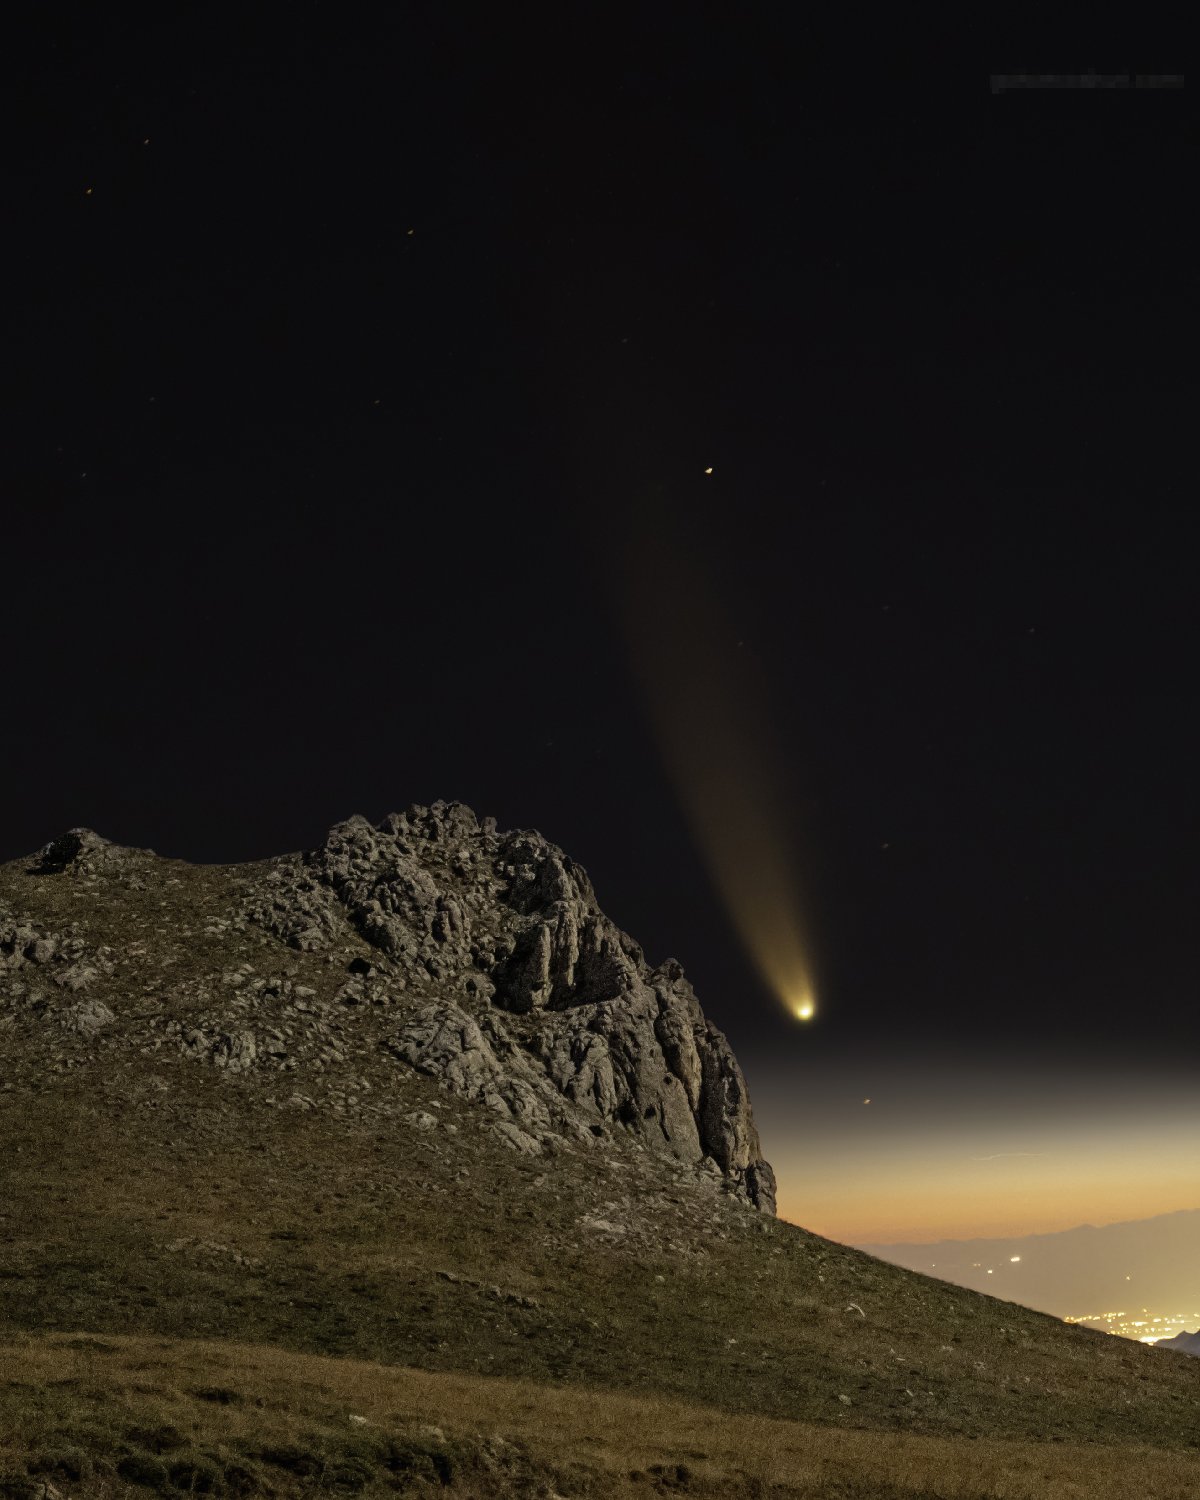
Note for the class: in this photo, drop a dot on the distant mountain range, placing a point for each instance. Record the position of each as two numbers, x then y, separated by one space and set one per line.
1182 1343
1143 1263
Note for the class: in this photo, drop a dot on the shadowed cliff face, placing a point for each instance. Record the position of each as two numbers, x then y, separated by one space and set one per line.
544 1009
477 957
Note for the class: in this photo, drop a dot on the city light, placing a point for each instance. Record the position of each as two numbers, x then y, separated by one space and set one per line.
1129 1325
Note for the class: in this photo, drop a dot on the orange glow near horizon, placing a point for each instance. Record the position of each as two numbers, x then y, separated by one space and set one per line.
954 1215
921 1190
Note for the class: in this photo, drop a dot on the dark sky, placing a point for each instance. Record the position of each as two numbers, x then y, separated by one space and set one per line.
344 352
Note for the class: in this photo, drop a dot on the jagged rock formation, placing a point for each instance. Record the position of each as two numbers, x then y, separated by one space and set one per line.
477 957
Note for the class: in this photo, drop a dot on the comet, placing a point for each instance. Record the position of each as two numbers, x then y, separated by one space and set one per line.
708 704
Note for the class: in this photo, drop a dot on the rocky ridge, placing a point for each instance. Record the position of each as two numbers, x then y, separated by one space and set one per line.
430 942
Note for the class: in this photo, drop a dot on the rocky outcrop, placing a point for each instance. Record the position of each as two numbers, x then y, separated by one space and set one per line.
443 1040
543 1002
432 941
35 957
81 852
294 904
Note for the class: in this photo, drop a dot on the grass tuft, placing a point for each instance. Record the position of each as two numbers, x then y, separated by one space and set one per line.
145 1469
197 1474
67 1462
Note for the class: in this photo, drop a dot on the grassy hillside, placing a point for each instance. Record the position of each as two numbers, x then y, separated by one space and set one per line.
301 1223
192 1214
119 1416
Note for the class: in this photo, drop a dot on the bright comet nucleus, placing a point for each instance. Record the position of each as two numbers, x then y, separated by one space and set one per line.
805 1010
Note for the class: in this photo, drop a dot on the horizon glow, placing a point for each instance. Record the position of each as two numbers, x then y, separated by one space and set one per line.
887 1176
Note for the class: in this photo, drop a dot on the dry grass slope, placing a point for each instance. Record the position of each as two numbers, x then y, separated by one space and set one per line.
345 1237
131 1416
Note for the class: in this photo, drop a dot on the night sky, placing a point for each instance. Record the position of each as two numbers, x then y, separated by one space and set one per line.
361 364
